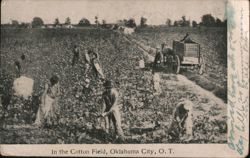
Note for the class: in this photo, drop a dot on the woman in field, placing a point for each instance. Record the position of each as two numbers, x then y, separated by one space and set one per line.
97 67
46 114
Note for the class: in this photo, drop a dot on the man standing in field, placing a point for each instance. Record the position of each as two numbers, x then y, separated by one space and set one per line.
96 64
87 61
158 57
110 109
76 55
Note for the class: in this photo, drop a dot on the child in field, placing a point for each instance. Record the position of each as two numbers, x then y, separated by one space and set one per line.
46 114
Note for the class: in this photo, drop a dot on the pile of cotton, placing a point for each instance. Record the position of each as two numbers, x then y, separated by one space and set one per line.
23 87
128 30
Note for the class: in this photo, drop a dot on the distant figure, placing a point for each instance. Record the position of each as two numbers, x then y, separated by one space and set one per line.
46 114
23 57
87 61
18 68
97 67
166 52
158 57
182 116
187 39
110 109
76 54
19 65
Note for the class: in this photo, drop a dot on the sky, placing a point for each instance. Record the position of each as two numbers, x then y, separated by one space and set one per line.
156 11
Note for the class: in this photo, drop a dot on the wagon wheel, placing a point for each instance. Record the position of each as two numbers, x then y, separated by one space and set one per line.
201 66
176 64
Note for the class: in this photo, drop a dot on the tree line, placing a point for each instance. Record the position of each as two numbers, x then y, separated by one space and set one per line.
206 20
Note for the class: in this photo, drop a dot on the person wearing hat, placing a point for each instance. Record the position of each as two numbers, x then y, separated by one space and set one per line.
110 109
47 110
182 115
187 39
158 57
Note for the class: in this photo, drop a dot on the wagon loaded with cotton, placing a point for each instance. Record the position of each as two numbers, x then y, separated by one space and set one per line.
185 54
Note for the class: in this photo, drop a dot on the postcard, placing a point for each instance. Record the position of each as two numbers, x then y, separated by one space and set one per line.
141 78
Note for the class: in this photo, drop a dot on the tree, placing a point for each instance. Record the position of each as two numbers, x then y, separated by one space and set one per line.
84 22
24 25
194 23
184 22
37 22
168 22
143 22
67 21
130 23
218 22
56 22
14 23
176 23
208 20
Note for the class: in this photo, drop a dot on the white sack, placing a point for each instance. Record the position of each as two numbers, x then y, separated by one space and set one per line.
23 87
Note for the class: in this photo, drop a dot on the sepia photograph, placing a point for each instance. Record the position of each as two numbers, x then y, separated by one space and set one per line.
114 72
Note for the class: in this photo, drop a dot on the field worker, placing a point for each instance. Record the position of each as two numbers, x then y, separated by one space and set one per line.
110 109
187 38
18 68
76 53
97 67
46 114
182 115
87 61
165 52
19 64
158 57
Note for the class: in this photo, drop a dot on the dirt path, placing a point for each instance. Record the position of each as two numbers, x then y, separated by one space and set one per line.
203 84
168 80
